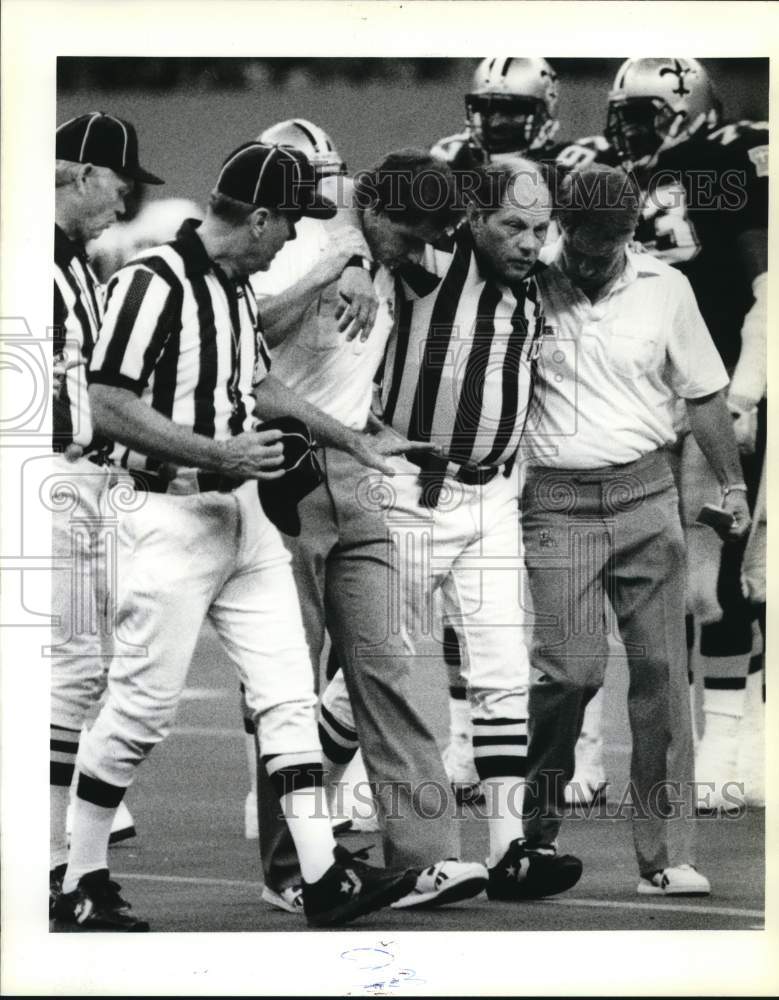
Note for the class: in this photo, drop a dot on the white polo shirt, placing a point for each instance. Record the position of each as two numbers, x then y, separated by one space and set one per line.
315 359
609 372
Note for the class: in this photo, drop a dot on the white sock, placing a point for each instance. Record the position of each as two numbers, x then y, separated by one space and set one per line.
504 797
460 716
88 841
333 782
305 811
59 796
251 760
728 701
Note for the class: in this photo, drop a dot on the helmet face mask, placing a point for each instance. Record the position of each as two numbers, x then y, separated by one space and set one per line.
309 139
656 103
503 123
512 106
637 127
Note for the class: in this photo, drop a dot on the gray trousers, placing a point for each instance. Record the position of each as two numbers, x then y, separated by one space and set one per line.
594 538
344 576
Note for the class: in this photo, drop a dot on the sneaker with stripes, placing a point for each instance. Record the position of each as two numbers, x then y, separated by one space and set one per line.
448 881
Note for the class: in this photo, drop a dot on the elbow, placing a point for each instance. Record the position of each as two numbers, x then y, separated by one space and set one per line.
105 411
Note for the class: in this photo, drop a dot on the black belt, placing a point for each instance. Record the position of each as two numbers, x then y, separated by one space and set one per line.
434 470
206 482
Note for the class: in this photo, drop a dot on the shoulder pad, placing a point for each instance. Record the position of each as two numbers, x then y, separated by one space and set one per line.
449 147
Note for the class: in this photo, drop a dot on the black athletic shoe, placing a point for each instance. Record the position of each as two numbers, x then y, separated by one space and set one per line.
350 888
533 873
56 876
95 905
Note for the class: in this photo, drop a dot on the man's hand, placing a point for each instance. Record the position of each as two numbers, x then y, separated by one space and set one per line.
357 312
371 449
62 365
343 244
735 503
254 455
388 442
744 413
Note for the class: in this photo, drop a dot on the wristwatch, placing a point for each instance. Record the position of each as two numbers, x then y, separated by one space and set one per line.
733 488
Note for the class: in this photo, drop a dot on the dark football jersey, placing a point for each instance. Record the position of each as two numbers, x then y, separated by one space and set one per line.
700 196
461 153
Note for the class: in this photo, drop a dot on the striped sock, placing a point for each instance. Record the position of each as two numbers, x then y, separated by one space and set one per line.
63 747
724 695
94 809
339 742
500 754
297 779
500 747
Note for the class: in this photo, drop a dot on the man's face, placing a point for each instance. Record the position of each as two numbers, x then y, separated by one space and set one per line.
265 241
103 194
592 257
393 242
510 238
505 132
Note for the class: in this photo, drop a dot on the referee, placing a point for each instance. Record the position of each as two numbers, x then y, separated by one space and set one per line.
96 168
459 372
175 376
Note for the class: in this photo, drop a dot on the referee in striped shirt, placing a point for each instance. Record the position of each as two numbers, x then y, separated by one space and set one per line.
459 372
176 377
96 167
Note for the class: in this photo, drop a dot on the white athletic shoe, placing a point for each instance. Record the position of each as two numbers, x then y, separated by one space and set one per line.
588 783
251 824
122 828
684 880
716 765
445 882
290 899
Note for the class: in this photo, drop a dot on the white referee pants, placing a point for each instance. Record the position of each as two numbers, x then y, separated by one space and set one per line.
468 548
185 557
84 530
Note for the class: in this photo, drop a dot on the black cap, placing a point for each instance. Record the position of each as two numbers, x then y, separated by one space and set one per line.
104 141
275 177
280 497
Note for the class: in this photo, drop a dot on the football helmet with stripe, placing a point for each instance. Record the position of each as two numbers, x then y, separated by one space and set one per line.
309 139
656 103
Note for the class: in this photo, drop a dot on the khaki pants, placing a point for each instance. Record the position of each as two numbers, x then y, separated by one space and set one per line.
592 539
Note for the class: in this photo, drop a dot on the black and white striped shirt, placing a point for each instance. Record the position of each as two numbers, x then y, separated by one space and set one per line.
78 311
460 363
184 338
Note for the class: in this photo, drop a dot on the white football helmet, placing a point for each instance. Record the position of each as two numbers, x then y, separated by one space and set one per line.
512 106
656 103
309 139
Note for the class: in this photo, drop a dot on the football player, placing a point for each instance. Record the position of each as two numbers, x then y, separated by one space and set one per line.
706 211
511 110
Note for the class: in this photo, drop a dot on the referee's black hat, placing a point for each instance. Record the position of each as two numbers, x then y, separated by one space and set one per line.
277 177
302 474
104 141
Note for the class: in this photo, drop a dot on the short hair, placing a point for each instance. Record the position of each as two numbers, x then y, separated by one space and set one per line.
411 186
487 187
599 196
228 209
65 172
